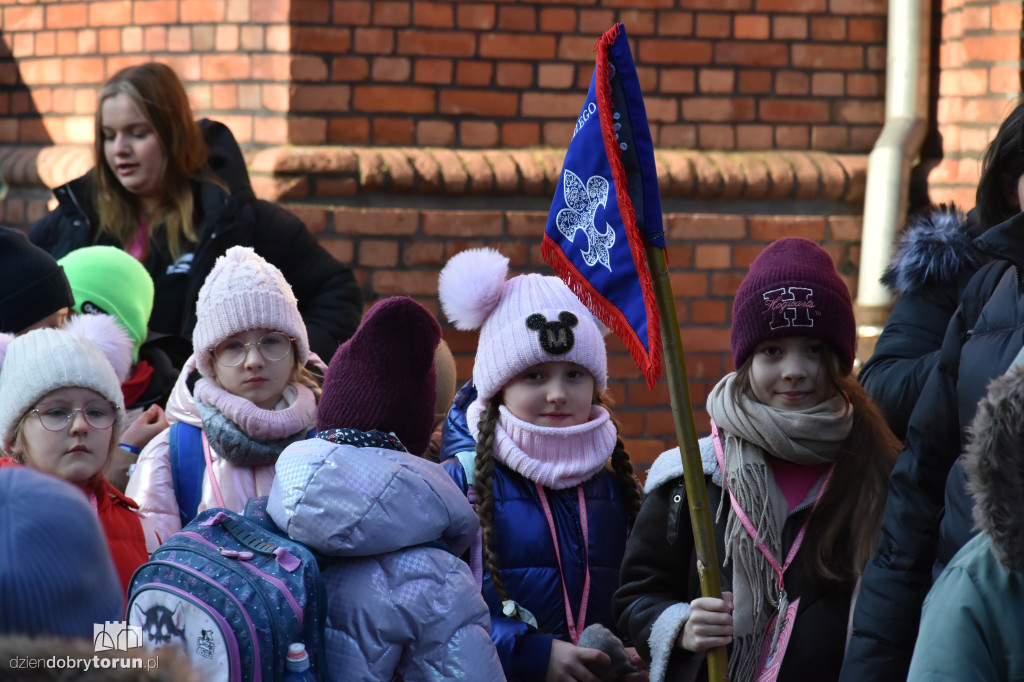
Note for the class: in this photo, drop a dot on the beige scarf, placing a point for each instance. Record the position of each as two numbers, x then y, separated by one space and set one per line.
748 429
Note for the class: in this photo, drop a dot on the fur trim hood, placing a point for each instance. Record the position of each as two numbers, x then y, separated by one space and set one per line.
935 245
994 462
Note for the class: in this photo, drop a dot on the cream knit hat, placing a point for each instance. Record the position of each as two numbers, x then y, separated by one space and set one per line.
44 360
523 321
243 292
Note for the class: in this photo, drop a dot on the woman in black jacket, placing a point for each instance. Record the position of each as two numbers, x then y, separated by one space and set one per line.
176 195
927 515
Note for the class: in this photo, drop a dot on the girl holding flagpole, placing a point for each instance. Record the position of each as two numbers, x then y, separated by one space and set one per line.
797 469
550 478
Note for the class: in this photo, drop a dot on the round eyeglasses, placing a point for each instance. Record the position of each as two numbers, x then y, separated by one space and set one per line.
274 346
58 417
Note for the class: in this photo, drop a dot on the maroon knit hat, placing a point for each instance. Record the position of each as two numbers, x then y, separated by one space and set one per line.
383 377
793 289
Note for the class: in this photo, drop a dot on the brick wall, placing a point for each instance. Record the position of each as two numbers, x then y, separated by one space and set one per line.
402 132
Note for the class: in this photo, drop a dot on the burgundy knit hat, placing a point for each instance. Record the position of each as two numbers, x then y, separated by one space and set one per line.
383 378
793 289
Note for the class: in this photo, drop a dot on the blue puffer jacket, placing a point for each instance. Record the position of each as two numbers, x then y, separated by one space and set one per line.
529 567
401 605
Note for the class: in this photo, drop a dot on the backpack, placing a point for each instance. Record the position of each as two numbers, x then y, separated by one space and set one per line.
233 591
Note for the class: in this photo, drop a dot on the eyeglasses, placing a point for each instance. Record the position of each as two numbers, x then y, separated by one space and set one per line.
58 417
273 346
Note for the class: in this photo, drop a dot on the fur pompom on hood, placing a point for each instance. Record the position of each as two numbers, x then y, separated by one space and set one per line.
107 335
470 286
994 462
935 245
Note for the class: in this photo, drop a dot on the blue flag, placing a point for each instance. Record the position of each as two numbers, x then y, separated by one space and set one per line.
607 207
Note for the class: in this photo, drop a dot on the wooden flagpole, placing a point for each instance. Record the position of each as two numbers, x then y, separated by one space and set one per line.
686 434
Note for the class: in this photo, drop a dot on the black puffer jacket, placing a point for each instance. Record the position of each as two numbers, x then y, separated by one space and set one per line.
935 260
330 301
983 337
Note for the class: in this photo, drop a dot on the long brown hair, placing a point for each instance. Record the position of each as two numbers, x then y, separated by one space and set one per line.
483 485
160 97
843 530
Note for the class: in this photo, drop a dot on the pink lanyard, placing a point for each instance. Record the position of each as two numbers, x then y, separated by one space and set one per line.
749 526
574 628
214 486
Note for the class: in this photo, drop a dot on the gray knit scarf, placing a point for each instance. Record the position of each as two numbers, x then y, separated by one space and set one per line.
235 445
748 429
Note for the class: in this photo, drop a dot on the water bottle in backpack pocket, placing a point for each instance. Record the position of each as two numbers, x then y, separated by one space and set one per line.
233 592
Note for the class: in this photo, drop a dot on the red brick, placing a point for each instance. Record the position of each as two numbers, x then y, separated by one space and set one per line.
714 26
393 99
473 73
374 41
869 30
519 134
224 95
352 12
517 18
156 12
269 11
46 43
770 228
689 226
396 282
515 46
279 67
423 253
23 18
718 109
65 15
436 43
786 27
792 6
830 138
226 38
809 111
393 131
366 221
555 76
252 38
463 223
751 27
378 253
673 24
514 75
350 69
478 134
678 81
391 13
751 54
226 67
859 111
673 52
559 20
717 80
838 57
391 69
476 17
433 15
328 39
865 85
792 83
342 249
478 103
198 11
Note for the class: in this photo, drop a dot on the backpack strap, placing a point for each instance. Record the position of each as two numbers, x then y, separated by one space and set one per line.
467 458
188 467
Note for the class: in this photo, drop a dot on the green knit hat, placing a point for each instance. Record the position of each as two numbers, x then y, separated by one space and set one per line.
105 279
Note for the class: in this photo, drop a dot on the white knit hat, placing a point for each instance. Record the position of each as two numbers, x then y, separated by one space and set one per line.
77 355
523 321
244 292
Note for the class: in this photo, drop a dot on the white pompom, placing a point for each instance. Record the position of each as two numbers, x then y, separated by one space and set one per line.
470 286
106 334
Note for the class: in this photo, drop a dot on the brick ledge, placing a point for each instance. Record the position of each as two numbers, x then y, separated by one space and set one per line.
285 172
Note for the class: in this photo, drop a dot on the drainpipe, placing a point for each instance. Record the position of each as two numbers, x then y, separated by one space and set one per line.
888 178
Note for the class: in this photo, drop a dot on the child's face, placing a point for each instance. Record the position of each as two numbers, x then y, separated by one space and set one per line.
78 451
131 148
789 374
256 378
551 394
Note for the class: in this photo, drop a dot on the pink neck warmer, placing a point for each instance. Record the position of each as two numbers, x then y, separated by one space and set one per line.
556 457
296 411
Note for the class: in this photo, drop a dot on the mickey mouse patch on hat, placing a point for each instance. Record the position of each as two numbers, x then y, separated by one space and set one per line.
555 338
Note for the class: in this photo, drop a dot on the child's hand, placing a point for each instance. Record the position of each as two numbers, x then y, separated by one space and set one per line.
709 624
142 430
568 662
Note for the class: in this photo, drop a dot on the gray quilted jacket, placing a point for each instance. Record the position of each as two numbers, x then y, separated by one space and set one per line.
401 603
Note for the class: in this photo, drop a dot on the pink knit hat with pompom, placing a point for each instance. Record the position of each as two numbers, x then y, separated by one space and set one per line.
243 292
523 321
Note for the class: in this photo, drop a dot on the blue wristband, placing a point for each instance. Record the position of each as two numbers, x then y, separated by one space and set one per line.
130 448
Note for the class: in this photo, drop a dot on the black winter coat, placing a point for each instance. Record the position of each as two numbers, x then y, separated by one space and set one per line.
983 337
935 260
330 300
659 573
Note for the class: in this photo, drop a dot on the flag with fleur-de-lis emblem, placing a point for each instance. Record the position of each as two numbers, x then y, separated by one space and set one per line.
607 207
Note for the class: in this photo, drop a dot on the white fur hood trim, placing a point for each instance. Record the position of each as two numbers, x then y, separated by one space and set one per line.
669 466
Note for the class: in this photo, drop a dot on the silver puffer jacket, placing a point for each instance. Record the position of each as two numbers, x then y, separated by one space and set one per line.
398 608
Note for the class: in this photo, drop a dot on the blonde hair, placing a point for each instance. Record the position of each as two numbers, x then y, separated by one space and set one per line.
160 97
